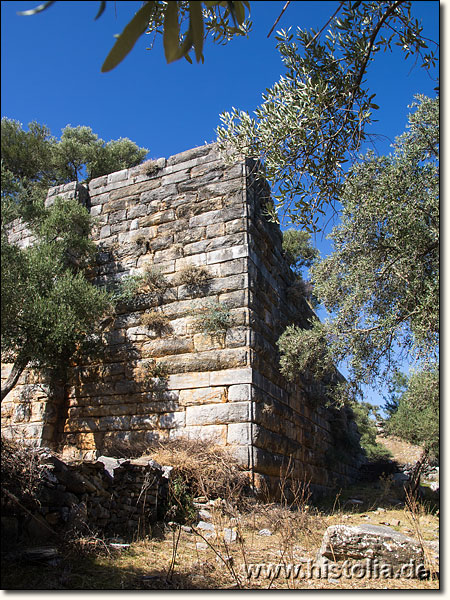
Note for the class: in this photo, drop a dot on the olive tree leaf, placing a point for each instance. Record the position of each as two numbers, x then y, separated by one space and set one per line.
129 36
196 26
171 37
100 10
38 9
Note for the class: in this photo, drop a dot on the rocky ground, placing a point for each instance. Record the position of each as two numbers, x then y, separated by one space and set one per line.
257 546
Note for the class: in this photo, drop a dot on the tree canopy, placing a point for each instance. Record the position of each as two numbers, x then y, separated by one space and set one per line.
416 417
312 122
381 283
49 309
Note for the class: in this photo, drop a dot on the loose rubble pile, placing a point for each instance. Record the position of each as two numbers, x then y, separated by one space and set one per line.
115 496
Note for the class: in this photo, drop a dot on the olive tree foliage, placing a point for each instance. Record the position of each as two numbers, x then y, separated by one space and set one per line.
49 310
311 123
300 254
380 285
33 159
184 26
416 418
298 250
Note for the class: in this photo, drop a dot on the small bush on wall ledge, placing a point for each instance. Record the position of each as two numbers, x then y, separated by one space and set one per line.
216 319
157 322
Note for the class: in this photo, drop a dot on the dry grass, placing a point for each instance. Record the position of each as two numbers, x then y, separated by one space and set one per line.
21 469
152 563
209 470
403 452
194 277
186 558
157 322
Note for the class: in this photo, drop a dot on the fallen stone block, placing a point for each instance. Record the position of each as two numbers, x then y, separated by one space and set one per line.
370 544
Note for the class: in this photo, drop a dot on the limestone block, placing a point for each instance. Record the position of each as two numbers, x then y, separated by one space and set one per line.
269 463
167 346
209 361
232 267
215 230
214 414
136 211
131 190
185 381
172 420
215 434
205 341
231 376
172 253
225 254
236 337
208 152
143 422
237 299
222 188
387 546
194 234
159 194
242 454
239 392
117 176
161 242
157 218
96 210
184 165
105 232
193 260
239 433
98 182
202 396
237 170
179 176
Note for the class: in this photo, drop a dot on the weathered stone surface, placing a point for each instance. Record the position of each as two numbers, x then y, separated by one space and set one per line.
239 393
212 414
375 542
207 395
239 433
215 434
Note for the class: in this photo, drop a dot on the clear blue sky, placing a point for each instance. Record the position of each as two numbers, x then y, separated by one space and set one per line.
51 73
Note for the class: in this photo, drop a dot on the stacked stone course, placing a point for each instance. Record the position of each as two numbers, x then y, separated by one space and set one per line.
192 209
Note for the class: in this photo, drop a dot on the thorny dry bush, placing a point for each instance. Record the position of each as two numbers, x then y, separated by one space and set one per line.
209 470
21 470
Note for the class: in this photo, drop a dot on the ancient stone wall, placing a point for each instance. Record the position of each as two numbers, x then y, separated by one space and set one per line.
156 220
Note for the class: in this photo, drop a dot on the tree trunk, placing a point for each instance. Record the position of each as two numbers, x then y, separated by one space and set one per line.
16 372
417 472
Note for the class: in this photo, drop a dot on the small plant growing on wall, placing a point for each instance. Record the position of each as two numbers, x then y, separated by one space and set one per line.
149 168
216 318
154 281
195 278
128 288
153 375
157 322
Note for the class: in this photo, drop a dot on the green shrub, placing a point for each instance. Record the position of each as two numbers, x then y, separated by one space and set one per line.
128 288
298 250
367 428
180 502
216 319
